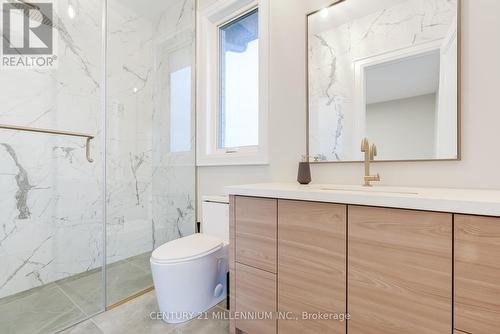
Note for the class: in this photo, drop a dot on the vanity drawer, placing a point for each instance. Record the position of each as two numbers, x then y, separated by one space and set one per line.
255 295
256 232
477 274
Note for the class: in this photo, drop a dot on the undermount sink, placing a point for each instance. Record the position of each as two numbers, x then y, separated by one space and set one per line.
367 190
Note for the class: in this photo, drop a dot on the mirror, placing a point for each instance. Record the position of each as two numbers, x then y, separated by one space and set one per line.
386 70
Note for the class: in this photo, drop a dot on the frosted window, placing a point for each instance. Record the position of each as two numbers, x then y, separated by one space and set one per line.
180 110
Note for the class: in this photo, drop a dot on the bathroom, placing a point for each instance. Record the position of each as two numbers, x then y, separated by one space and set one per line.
111 149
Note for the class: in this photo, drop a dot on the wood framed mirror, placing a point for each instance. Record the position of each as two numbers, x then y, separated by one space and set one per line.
386 70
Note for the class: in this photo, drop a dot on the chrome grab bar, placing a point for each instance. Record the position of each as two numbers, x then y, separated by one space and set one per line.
54 132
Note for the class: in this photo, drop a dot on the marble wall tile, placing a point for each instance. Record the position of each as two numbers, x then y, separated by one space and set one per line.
149 202
50 204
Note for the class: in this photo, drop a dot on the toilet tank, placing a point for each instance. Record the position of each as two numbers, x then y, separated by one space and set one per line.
215 216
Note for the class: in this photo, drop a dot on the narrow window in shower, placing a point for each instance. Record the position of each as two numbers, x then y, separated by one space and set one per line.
180 110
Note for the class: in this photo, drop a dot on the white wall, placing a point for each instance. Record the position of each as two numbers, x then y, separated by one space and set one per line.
480 111
403 128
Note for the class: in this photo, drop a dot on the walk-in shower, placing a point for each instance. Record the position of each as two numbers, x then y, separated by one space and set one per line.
116 88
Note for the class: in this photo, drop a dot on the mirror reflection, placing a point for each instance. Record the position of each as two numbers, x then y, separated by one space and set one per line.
385 70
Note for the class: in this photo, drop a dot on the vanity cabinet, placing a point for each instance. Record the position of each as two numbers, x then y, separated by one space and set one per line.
400 271
392 270
311 265
477 274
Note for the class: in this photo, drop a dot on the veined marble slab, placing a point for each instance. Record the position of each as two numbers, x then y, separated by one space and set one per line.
466 201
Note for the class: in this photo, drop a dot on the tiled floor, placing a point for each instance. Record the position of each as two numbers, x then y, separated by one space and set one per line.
57 305
134 317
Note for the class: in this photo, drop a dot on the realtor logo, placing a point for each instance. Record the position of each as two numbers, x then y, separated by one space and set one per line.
28 37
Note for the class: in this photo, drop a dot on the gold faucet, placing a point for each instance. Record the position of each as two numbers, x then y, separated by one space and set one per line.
370 154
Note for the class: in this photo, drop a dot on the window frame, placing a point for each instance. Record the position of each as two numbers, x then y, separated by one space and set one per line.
220 79
209 21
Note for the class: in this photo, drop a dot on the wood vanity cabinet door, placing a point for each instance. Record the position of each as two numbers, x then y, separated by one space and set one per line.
477 274
311 265
255 294
399 271
256 229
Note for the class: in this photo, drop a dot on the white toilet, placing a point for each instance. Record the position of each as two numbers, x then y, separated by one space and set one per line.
189 273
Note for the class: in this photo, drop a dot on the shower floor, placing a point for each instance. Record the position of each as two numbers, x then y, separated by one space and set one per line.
56 305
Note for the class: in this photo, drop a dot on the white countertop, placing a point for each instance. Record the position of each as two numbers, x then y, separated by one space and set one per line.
467 201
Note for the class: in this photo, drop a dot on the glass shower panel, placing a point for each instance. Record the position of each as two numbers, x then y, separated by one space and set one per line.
150 136
51 208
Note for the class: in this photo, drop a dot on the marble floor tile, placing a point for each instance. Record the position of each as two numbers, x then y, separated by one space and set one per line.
86 327
85 290
41 310
215 322
222 304
142 261
124 280
133 317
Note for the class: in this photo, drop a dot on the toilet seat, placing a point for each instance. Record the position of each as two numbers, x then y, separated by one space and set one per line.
186 249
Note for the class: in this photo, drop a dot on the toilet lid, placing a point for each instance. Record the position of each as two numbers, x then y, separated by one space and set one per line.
186 248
